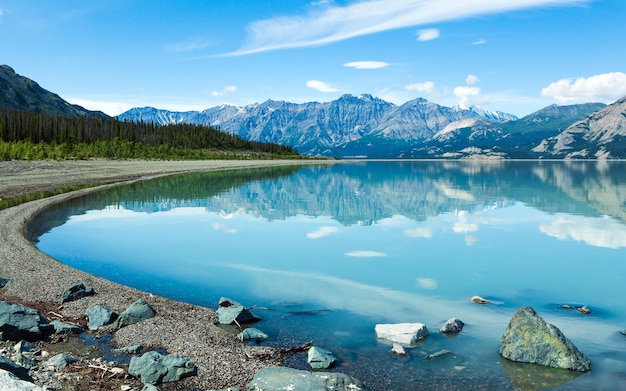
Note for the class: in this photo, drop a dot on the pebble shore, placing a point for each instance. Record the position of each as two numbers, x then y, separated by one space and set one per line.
179 328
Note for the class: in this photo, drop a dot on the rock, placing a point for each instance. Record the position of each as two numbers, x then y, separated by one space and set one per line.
149 387
319 358
230 311
99 316
26 347
59 361
9 381
623 332
397 349
583 310
24 361
3 282
65 328
452 326
480 300
134 349
18 322
137 312
251 334
530 339
76 292
402 333
14 368
155 368
282 378
437 354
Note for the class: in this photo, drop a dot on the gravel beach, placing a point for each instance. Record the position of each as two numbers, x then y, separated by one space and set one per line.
38 280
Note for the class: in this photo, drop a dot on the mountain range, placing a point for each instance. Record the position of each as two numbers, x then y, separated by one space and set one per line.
367 127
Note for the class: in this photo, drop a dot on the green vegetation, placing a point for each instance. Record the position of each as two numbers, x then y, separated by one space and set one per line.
37 136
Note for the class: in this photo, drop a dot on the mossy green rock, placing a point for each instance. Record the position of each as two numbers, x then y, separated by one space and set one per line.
530 339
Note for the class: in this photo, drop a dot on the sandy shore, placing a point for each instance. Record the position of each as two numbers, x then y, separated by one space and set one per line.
39 280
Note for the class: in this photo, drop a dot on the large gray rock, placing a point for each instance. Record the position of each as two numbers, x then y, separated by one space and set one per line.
156 368
76 292
9 381
282 378
137 312
99 316
319 358
65 328
251 333
18 322
452 326
530 339
230 311
402 333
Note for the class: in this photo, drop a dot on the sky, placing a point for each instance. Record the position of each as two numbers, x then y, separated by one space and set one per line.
515 56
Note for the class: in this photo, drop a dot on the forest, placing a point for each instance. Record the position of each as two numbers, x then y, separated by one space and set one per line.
36 136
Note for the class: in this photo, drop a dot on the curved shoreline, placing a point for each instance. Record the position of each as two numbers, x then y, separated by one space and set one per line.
179 328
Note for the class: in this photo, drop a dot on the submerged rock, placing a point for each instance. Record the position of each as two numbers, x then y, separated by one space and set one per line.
230 311
398 350
137 312
480 300
76 292
319 358
282 378
452 326
99 316
156 368
530 339
402 333
18 322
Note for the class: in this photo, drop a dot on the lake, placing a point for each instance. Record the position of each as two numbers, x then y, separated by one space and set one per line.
324 253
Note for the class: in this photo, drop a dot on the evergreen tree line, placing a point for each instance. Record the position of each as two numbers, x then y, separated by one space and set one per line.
44 135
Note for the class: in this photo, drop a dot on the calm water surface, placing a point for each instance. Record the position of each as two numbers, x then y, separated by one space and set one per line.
325 253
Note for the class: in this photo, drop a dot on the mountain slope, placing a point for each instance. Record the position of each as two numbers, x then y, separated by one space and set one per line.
600 135
21 93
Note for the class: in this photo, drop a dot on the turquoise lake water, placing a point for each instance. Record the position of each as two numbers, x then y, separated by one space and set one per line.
325 253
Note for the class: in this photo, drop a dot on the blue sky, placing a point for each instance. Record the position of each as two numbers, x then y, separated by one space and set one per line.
515 56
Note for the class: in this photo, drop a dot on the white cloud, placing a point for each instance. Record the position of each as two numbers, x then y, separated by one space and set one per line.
224 91
419 233
366 64
320 86
599 232
427 283
191 45
472 79
331 23
606 87
109 108
427 34
465 95
321 232
427 87
365 254
479 42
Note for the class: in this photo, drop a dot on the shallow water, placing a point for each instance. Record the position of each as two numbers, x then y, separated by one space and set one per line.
325 253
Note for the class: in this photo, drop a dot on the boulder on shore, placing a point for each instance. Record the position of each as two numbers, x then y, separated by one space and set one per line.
530 339
65 328
18 322
99 316
137 312
9 381
156 368
282 378
76 292
402 333
230 311
251 333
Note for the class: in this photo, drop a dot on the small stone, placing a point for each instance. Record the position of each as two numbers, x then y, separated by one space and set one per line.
26 347
3 282
230 311
65 328
319 358
480 300
59 361
137 312
398 350
149 387
452 326
76 292
437 354
623 332
251 333
99 316
134 349
583 310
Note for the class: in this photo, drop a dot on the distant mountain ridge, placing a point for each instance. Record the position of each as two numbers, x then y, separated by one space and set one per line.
21 93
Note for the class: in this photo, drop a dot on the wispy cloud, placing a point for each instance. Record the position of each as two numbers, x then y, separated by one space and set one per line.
365 254
320 86
427 87
331 23
472 79
191 45
427 34
321 232
226 90
479 42
366 64
606 87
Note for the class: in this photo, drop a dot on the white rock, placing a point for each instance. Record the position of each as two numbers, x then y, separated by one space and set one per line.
398 349
402 333
8 381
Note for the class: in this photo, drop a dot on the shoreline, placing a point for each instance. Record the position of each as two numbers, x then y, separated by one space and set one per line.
40 280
